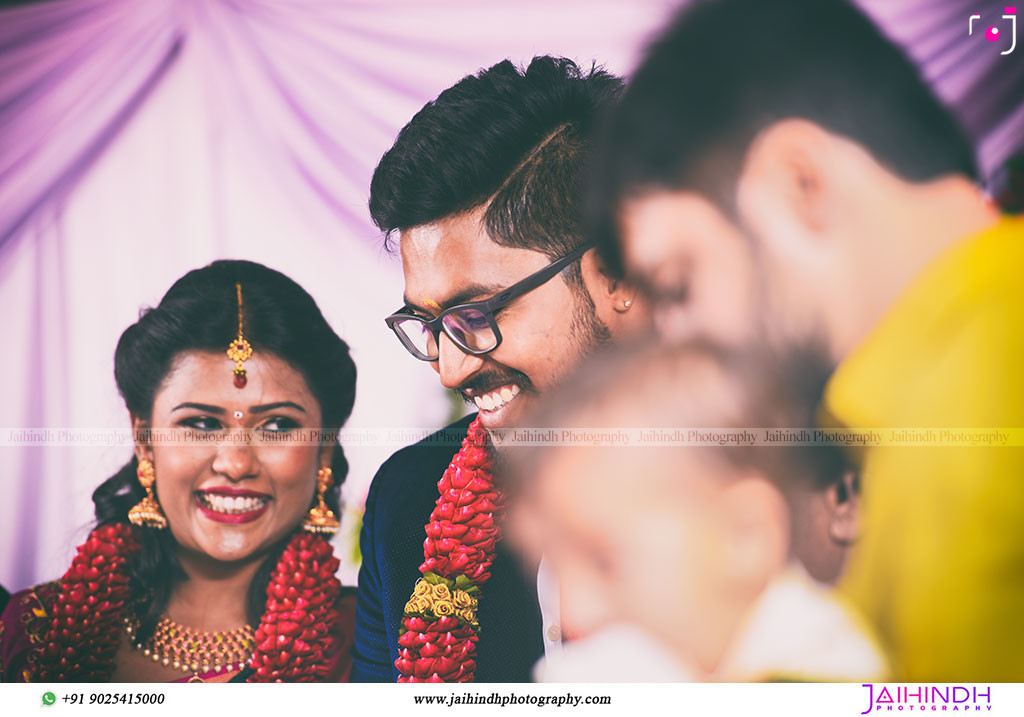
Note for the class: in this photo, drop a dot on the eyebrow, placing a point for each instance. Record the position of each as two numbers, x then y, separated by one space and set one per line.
262 408
199 407
462 297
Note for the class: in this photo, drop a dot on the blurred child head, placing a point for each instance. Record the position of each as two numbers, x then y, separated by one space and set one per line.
680 540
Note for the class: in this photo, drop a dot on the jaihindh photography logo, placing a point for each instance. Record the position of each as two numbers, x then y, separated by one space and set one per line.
927 698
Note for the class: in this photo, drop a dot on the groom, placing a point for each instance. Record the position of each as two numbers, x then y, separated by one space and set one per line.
502 297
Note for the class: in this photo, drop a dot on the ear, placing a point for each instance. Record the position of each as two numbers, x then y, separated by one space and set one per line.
143 441
844 509
606 289
785 178
757 518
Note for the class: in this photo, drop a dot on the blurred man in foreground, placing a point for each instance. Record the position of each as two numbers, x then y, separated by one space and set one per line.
811 194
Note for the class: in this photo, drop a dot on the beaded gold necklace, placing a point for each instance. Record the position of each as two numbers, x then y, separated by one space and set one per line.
294 642
188 650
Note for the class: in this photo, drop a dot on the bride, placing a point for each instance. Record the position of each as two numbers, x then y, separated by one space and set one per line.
209 561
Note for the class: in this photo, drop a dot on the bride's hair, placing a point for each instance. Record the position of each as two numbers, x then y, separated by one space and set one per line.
200 313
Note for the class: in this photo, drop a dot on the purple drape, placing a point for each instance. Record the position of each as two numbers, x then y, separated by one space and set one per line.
139 140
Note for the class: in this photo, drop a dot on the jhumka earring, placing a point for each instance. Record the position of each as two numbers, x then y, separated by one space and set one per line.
321 519
147 513
239 350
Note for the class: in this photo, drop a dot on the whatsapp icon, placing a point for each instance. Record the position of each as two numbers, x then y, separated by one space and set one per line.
49 698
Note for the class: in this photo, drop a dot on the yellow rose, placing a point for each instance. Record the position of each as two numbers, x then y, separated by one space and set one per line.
443 608
421 604
441 592
410 607
468 615
463 599
422 587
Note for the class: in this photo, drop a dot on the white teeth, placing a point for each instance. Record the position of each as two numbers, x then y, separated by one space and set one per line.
496 399
231 504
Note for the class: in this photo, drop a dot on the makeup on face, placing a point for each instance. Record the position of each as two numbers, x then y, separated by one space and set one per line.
238 476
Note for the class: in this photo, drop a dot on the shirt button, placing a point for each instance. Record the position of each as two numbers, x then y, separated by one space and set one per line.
554 634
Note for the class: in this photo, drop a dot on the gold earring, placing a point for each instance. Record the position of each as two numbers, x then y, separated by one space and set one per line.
146 512
321 519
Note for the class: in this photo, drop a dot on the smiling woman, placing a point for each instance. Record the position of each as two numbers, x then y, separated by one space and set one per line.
217 523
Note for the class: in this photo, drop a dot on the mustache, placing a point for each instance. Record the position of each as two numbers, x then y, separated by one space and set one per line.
488 380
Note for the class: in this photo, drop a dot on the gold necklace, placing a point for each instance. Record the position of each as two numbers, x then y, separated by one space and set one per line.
189 650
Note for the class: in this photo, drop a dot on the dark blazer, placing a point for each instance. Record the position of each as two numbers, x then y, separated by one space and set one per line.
398 505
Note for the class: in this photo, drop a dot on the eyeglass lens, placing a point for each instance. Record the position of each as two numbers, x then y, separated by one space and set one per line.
468 328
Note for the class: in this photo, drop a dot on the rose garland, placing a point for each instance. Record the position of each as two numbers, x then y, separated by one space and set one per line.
440 631
295 633
292 641
85 628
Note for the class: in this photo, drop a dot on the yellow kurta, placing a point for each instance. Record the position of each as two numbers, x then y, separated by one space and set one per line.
939 569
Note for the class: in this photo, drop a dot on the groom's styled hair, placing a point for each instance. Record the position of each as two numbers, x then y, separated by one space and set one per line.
516 140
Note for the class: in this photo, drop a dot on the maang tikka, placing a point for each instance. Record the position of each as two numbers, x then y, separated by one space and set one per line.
239 350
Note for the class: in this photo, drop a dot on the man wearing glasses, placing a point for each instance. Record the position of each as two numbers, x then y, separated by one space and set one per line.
502 296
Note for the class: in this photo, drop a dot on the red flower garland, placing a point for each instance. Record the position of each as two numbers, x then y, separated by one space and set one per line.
295 633
439 629
293 639
85 628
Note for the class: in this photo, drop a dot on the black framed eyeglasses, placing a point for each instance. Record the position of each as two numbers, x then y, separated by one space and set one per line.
472 326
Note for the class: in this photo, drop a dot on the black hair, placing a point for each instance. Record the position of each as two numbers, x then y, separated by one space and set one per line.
517 138
726 69
200 313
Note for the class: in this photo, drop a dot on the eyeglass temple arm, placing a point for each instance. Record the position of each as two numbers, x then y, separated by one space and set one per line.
532 282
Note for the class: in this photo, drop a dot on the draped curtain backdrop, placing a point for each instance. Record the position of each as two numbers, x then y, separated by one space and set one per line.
139 140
